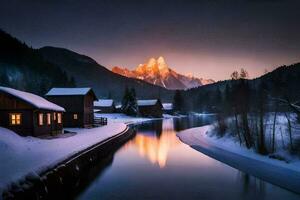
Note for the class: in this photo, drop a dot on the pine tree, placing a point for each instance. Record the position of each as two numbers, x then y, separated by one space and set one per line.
4 81
178 101
129 102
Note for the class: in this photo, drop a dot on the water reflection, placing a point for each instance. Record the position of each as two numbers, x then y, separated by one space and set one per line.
154 146
251 185
156 165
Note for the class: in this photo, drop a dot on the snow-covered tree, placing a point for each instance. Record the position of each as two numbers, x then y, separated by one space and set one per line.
129 102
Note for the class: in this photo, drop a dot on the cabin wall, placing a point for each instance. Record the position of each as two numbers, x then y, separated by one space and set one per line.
9 102
26 126
69 120
151 111
73 105
29 120
88 109
53 129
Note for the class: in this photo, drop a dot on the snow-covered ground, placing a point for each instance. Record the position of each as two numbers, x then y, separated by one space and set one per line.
228 150
120 117
23 155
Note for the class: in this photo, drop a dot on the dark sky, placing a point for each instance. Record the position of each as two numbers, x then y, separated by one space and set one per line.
207 38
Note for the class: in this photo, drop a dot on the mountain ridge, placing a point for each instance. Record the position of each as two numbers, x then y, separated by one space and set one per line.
106 84
157 72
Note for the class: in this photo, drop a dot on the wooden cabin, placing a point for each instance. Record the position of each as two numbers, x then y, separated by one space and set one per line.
78 103
150 108
104 106
167 108
28 114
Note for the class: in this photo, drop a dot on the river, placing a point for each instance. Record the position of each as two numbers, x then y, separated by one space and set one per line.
155 164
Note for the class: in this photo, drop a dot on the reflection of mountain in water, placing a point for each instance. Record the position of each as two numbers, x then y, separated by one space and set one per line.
155 139
155 147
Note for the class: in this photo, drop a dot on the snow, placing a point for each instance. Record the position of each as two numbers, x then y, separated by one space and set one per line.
68 91
23 155
32 99
149 102
104 103
228 150
122 118
167 106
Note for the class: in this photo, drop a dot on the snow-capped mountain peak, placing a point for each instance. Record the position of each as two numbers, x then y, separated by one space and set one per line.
157 72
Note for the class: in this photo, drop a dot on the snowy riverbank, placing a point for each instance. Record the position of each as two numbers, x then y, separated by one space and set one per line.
23 155
229 151
122 118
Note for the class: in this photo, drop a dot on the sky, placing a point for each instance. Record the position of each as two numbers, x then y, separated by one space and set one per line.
205 38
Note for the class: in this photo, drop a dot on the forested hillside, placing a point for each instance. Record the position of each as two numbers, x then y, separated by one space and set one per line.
23 68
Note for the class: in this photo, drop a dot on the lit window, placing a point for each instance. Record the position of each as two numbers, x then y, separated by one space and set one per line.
41 119
59 118
54 116
15 119
48 118
75 116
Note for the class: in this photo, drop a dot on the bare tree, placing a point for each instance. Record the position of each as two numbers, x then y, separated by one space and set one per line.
262 98
244 74
237 126
235 75
274 128
241 96
290 132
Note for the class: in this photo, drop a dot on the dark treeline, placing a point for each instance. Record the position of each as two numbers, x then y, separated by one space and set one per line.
22 67
283 82
251 105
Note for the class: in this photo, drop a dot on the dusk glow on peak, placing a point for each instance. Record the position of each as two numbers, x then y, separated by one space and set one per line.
208 38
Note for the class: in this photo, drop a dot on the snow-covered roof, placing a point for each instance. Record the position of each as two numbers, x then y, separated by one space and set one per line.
104 103
32 99
68 91
149 102
167 106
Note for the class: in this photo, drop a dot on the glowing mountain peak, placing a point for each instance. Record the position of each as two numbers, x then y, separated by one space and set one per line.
161 60
151 63
157 72
162 63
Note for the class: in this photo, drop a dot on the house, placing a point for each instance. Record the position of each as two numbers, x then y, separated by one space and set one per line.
118 108
104 106
28 114
167 108
150 108
78 103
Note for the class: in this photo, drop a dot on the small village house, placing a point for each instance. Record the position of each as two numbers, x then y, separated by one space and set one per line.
78 103
167 108
150 108
28 114
104 106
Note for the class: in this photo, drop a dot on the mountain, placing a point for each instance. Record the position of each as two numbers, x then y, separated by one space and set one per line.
157 72
23 68
106 84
